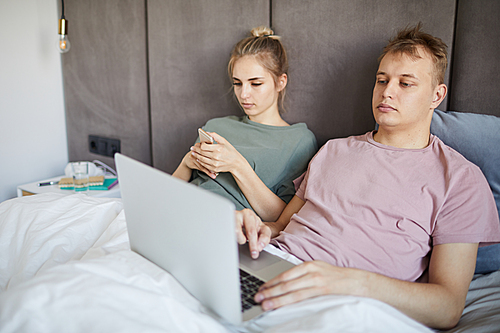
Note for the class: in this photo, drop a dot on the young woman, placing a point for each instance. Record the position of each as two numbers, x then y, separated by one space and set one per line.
256 157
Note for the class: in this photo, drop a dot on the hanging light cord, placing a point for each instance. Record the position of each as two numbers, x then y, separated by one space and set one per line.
62 10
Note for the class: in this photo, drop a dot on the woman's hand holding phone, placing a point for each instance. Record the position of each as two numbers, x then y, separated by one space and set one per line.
204 136
191 163
216 157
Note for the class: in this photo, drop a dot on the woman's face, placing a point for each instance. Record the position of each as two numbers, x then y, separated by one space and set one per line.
255 89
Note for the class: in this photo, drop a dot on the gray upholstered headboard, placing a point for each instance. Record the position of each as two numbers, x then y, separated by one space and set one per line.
149 72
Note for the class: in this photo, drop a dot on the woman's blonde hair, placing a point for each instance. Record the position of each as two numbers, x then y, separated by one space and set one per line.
269 52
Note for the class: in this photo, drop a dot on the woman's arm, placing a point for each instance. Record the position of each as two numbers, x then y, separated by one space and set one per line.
223 157
263 201
293 207
188 163
183 171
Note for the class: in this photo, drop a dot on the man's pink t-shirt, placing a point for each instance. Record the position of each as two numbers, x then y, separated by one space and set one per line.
381 208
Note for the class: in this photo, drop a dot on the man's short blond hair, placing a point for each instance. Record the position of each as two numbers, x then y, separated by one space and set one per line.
408 40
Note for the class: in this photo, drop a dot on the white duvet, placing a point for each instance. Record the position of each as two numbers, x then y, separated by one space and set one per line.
66 266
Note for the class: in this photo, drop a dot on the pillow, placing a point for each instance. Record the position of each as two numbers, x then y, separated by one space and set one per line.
477 138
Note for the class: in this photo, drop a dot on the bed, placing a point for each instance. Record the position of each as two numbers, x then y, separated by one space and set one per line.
66 266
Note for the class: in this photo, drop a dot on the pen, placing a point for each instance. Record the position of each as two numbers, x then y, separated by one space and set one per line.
48 183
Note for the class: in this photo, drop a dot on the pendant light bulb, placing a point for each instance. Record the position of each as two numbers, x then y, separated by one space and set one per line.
63 44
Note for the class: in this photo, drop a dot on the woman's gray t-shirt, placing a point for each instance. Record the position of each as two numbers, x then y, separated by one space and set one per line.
277 154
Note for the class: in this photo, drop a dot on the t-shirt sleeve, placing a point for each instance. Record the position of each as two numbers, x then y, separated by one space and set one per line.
469 214
298 181
301 182
296 164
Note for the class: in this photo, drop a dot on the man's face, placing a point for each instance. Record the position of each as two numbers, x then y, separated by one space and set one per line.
404 92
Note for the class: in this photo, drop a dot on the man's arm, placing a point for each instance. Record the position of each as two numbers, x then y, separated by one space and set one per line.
438 303
251 229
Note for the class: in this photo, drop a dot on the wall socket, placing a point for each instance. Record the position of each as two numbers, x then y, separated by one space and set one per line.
103 146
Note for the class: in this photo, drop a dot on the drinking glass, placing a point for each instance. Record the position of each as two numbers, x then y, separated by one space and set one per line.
80 176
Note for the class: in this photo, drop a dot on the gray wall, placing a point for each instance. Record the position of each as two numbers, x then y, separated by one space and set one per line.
189 46
476 67
334 51
106 77
150 72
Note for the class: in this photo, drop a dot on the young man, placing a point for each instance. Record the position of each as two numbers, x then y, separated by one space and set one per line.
375 213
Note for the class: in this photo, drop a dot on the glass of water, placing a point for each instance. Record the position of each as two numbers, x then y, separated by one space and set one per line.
80 176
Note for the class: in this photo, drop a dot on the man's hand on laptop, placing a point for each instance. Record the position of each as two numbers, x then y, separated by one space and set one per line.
250 228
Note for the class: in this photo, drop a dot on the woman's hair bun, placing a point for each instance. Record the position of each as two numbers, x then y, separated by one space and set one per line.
269 52
261 31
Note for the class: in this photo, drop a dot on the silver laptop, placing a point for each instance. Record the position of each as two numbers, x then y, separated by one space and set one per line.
190 232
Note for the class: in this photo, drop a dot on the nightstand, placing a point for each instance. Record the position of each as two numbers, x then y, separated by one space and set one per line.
33 188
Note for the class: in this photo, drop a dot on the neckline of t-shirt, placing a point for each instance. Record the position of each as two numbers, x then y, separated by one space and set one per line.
371 140
247 120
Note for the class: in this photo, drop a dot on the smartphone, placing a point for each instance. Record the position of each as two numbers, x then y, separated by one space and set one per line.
204 136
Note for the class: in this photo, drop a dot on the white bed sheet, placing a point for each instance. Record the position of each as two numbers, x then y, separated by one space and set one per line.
66 266
482 306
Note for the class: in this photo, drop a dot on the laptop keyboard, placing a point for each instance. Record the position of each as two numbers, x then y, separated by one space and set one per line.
249 287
